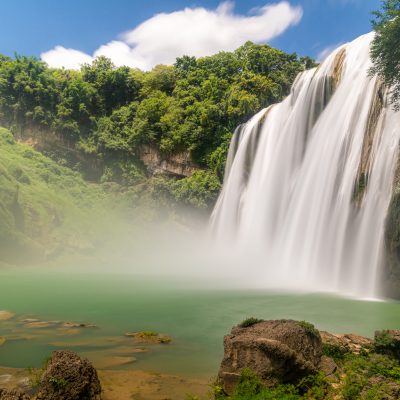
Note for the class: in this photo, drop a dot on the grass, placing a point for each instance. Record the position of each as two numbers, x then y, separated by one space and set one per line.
384 343
334 351
361 377
250 322
47 209
309 328
35 374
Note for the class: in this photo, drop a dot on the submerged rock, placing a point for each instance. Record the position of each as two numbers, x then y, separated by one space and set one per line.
281 351
2 340
61 325
69 377
108 358
149 337
38 324
13 394
5 315
69 325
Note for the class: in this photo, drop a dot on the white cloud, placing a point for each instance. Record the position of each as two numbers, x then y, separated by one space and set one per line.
191 31
68 58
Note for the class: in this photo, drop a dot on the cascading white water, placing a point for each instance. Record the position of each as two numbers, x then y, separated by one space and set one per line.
308 181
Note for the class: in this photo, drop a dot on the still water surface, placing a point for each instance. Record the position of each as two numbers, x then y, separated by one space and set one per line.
195 316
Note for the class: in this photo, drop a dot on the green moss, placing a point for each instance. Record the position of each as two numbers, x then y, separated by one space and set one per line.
250 322
360 187
147 334
58 383
309 328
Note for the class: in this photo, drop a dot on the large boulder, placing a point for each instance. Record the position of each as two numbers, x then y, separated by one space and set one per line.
69 377
13 394
281 351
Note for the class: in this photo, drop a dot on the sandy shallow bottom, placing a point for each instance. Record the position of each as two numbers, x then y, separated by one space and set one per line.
126 385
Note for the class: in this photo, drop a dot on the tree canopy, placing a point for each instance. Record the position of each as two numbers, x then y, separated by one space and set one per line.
106 112
385 50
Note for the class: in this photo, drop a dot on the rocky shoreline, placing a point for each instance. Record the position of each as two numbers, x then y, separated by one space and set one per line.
280 358
119 385
277 359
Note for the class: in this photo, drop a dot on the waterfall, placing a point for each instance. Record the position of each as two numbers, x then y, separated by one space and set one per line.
308 182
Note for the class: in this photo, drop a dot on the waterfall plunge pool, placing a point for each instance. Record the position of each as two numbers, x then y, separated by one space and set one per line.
195 317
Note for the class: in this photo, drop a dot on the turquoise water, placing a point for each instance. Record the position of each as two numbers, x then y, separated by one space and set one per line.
195 317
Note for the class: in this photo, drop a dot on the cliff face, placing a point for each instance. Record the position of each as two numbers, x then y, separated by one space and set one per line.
61 150
179 164
391 276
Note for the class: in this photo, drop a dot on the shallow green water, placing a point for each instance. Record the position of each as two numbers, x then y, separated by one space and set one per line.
196 318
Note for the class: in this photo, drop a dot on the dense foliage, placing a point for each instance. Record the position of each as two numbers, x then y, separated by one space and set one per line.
103 114
385 50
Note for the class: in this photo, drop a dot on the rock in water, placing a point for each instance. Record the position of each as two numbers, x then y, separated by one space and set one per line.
281 351
14 394
69 377
6 315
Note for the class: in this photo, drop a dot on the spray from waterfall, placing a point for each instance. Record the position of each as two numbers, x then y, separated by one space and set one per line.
308 181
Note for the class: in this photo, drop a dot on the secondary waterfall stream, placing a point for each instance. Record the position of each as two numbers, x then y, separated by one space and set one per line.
308 181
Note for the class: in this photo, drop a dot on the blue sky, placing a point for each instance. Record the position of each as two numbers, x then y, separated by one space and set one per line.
307 27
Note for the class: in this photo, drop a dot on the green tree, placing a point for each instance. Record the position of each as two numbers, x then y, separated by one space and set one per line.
76 108
28 93
162 78
116 86
117 132
385 49
105 113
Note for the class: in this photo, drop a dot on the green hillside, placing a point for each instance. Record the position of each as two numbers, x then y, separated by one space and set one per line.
46 209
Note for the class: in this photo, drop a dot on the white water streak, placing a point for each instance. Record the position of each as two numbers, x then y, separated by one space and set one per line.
286 204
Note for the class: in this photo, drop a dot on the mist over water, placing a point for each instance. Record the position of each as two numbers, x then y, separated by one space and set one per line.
309 181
